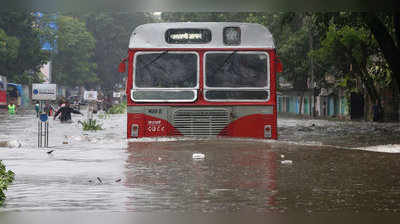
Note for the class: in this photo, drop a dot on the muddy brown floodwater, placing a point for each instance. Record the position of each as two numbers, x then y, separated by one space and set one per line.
315 166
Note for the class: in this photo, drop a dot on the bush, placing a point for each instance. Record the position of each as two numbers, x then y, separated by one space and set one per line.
103 115
117 109
91 125
6 177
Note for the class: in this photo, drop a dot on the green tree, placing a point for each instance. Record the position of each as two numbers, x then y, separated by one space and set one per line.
6 177
386 29
111 31
8 47
295 35
352 53
383 29
204 16
72 62
375 53
21 65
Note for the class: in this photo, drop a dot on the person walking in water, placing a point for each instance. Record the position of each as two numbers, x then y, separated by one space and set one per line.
65 112
11 108
37 107
48 108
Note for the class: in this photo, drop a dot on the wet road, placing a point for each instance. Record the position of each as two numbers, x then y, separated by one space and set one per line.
316 166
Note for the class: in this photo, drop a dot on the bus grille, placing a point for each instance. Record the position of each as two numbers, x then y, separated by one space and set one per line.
201 122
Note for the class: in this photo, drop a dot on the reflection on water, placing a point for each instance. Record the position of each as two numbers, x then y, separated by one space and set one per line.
231 177
101 171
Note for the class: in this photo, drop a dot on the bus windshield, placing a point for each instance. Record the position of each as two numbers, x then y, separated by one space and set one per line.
166 70
236 69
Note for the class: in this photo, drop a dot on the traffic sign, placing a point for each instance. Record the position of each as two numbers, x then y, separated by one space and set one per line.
116 94
90 95
44 91
43 117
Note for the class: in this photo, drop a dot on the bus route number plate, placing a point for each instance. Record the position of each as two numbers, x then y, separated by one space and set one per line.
155 111
155 126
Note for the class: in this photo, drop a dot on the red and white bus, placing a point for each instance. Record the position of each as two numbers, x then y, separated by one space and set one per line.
201 79
3 91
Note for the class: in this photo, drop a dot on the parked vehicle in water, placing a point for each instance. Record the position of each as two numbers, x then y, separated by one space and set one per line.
14 93
3 91
201 79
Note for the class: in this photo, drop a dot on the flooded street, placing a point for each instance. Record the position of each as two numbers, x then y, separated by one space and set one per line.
315 166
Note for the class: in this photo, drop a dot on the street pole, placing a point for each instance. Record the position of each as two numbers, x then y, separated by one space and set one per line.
43 127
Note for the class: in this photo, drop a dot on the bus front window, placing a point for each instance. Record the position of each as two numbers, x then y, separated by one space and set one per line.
165 77
166 70
237 76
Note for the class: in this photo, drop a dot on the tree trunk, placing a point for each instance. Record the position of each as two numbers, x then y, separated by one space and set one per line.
389 49
396 22
396 102
370 87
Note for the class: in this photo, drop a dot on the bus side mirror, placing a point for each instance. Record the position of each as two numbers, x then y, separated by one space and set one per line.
279 67
122 67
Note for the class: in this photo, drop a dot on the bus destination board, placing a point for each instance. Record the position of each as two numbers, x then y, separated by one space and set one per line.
188 36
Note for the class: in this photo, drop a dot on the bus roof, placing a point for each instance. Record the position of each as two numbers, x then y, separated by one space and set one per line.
153 35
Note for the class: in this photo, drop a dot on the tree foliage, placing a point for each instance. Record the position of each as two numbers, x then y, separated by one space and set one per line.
8 47
111 30
386 29
204 16
295 34
6 177
72 62
21 53
351 54
361 46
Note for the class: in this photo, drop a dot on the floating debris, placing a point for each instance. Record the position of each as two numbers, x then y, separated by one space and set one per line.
49 152
119 180
11 144
282 156
198 156
100 181
289 162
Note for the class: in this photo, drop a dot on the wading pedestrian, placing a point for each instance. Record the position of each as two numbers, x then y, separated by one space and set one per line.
65 112
11 108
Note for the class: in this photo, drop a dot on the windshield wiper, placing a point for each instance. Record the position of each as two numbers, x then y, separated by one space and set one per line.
226 61
155 59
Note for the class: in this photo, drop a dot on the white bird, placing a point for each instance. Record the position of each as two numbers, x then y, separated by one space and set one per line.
198 156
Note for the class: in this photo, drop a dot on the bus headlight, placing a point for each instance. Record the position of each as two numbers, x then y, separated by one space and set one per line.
135 130
267 131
